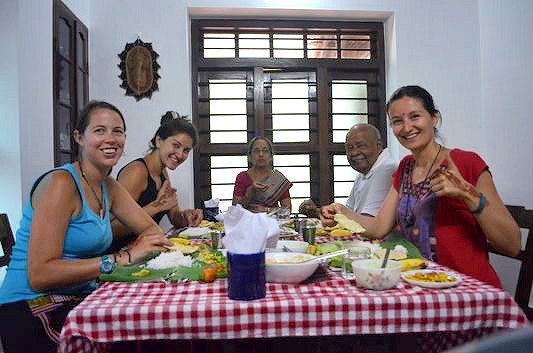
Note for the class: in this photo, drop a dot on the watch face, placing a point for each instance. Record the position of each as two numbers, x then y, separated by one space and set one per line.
107 265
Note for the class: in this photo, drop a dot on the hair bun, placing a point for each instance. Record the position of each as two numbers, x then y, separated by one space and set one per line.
168 117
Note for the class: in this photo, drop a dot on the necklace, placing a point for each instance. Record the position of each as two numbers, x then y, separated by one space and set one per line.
433 163
100 203
409 217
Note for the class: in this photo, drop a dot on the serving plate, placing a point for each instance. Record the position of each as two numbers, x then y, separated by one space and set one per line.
428 284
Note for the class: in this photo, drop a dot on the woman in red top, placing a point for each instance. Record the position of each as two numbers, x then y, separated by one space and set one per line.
249 184
443 200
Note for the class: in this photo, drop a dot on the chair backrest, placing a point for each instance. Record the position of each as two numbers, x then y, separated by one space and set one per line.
524 218
6 239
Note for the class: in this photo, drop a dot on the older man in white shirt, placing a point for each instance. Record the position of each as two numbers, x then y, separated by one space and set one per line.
365 153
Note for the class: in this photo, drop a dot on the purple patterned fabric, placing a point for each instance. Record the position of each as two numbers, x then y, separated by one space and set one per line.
416 212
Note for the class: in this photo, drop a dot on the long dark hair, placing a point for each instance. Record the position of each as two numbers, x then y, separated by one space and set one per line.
171 124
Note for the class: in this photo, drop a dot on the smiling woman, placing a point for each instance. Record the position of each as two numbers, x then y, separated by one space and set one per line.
443 200
147 181
64 232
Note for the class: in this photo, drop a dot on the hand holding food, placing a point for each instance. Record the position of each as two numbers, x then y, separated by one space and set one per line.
147 244
327 213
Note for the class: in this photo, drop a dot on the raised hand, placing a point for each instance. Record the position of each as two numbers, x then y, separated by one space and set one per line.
260 186
450 183
166 197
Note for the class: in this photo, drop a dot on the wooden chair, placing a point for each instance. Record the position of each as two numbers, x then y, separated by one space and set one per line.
6 239
524 218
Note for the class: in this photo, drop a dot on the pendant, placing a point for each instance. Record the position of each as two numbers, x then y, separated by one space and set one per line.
101 213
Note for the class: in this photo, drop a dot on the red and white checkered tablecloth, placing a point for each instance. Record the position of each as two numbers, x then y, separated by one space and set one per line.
195 310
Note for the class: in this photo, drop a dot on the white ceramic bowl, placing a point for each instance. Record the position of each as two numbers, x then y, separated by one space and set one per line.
369 274
284 267
293 245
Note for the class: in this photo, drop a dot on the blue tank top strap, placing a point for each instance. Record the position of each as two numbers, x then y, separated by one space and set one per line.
72 171
69 167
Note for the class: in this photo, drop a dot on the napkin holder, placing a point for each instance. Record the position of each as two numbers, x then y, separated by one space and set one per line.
246 277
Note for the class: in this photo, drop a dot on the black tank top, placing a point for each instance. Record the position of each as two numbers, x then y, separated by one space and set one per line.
148 195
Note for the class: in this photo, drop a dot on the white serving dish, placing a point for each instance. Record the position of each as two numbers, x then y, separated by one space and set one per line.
282 267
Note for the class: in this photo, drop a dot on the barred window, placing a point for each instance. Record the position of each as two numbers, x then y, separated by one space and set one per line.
301 84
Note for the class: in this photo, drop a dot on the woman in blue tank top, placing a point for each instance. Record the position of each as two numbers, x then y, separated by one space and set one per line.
146 179
64 232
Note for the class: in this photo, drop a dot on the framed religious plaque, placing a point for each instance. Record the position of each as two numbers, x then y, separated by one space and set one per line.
138 69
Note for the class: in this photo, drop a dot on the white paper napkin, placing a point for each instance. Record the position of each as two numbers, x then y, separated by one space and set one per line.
212 203
247 232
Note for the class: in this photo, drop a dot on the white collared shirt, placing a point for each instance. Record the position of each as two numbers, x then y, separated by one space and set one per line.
370 189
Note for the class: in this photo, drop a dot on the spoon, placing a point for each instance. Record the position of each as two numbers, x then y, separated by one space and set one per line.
327 256
286 249
385 259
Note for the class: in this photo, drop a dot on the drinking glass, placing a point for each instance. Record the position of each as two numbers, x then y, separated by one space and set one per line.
354 253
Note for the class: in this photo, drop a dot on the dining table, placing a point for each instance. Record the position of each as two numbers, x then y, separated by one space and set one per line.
327 306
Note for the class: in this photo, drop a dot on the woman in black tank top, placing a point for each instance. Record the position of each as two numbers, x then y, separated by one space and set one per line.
146 179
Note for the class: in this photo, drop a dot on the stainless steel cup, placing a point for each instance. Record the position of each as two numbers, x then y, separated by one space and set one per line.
308 233
298 224
215 238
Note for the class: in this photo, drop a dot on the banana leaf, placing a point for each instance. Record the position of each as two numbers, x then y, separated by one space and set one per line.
397 239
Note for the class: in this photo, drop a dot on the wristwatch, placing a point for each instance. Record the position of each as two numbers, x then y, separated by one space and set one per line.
107 265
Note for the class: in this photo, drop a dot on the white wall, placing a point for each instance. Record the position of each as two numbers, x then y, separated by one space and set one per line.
113 24
507 92
36 100
10 172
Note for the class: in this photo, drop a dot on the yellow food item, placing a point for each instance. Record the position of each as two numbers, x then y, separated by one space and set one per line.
349 224
208 257
341 232
204 223
329 229
185 249
142 273
320 232
413 264
393 255
181 241
217 226
313 250
439 277
293 260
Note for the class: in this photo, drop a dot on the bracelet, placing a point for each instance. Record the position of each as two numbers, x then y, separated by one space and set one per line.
129 256
481 205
